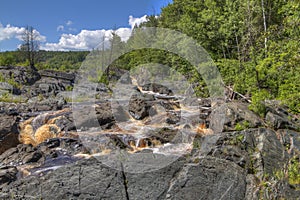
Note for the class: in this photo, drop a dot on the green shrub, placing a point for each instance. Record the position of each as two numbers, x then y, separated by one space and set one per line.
7 97
289 95
10 81
69 88
242 126
294 171
2 79
258 102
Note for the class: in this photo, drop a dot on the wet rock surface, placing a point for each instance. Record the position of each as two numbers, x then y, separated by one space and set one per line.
151 146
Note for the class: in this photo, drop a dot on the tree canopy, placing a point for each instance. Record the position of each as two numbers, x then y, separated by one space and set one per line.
255 43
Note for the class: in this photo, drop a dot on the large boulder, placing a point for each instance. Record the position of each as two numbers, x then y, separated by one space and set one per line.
234 116
8 132
208 178
281 120
138 107
96 116
278 117
259 151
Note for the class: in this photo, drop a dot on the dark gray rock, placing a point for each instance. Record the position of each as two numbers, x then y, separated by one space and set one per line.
8 132
13 108
6 86
46 104
270 154
138 107
66 122
209 178
101 87
233 114
120 113
278 117
44 83
157 88
205 102
32 76
225 165
105 115
19 155
117 74
84 180
58 74
27 154
280 121
8 175
228 165
252 189
98 116
33 157
257 150
46 87
68 146
290 140
22 75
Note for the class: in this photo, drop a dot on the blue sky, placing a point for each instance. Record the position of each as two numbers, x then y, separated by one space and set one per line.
71 24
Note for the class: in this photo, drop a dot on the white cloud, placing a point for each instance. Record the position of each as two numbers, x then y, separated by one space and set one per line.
136 21
85 40
10 32
124 33
69 23
60 28
90 39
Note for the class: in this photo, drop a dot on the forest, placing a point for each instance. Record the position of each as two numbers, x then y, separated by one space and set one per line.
254 43
56 60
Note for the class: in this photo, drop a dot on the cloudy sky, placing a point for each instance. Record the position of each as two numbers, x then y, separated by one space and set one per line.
74 24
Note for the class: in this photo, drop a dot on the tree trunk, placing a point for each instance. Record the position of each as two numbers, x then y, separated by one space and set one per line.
265 23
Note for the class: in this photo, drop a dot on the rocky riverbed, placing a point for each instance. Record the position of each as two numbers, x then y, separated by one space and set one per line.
154 145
